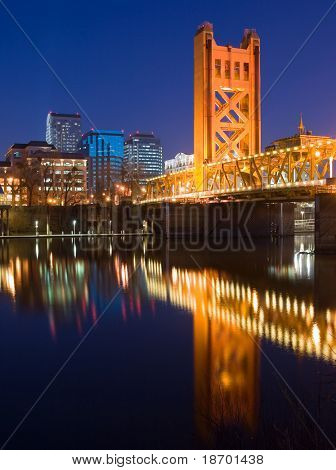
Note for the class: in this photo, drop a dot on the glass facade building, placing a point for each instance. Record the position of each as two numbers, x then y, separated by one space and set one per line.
143 157
105 150
64 131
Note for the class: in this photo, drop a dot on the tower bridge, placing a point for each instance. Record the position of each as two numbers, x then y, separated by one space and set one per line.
228 162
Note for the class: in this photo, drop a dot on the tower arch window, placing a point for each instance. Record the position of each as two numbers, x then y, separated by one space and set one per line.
227 69
246 70
218 67
237 70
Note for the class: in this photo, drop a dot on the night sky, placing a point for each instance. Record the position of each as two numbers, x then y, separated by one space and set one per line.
130 64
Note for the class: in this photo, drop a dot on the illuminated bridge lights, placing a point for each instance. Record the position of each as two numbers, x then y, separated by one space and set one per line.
299 167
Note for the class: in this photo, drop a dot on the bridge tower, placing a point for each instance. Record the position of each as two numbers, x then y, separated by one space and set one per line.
226 100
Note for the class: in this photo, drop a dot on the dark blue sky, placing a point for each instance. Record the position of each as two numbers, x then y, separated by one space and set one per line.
130 64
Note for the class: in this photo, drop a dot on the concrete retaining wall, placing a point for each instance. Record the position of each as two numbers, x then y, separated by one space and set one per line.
211 220
236 219
22 219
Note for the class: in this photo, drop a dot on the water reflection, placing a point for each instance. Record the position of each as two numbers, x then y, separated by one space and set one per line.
279 315
268 295
231 316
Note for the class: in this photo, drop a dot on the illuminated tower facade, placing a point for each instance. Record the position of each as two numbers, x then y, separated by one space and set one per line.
226 99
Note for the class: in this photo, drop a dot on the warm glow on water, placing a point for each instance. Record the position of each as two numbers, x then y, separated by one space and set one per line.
181 354
259 313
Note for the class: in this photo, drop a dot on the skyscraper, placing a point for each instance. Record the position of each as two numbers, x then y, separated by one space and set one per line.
106 151
64 131
143 157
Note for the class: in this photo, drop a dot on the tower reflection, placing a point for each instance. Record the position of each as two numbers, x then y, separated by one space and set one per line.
231 318
269 296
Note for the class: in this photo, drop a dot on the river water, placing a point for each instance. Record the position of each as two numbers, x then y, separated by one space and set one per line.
104 347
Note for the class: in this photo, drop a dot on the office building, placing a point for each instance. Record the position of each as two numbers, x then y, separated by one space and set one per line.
105 151
64 131
143 157
180 162
17 151
37 173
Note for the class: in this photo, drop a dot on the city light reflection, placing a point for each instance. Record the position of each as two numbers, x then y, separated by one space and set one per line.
232 313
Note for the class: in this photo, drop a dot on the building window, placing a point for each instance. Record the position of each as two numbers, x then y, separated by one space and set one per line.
227 69
218 67
246 71
237 70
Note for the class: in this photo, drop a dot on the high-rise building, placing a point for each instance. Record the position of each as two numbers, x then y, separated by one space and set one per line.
143 157
64 131
105 150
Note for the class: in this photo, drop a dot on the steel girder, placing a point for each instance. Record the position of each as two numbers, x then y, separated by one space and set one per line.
282 170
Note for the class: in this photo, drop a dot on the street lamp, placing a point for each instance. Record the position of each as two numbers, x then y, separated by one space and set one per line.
74 226
36 227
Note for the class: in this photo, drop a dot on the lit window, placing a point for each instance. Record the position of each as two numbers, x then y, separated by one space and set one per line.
246 71
237 70
227 69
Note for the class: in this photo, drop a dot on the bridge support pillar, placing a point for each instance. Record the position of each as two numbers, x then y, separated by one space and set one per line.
282 218
325 223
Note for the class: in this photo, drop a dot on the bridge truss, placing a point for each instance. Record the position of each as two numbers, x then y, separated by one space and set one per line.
296 171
